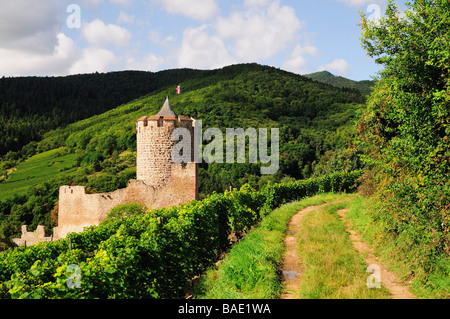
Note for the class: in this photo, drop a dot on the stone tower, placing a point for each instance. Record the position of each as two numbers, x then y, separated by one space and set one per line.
160 182
154 162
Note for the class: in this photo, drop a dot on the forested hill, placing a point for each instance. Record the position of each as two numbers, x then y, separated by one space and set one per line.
31 106
326 77
316 122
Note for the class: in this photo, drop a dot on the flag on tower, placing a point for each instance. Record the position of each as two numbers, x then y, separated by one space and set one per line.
179 89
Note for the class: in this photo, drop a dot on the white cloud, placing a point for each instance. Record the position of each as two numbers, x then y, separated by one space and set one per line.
360 3
339 66
30 26
259 33
151 62
122 2
15 62
156 37
95 60
296 62
92 3
201 50
125 18
196 9
256 3
97 33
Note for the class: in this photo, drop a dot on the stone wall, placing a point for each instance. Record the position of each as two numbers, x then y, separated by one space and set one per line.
154 148
78 210
31 238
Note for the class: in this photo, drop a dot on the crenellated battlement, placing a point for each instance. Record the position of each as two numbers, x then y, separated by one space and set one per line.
31 238
80 190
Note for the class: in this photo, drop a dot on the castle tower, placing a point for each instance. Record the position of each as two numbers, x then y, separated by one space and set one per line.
154 163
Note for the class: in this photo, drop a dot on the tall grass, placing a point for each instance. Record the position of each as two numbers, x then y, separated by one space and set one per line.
334 269
425 283
251 270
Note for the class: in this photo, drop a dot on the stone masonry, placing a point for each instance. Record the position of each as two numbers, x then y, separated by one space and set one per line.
159 181
31 238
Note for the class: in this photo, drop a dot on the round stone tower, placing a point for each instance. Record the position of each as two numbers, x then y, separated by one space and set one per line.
154 145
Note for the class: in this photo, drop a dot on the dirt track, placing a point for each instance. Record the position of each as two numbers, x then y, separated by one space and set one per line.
388 278
293 271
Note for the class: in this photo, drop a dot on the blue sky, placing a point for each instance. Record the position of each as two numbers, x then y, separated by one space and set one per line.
302 36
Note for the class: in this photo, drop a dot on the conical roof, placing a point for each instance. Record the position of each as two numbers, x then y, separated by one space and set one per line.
166 110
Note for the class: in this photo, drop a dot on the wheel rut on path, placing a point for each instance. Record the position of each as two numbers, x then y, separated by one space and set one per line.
291 269
387 278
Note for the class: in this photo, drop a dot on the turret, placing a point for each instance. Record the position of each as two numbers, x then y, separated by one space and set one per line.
154 144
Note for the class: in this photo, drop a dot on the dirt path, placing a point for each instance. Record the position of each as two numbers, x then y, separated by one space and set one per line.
292 271
387 278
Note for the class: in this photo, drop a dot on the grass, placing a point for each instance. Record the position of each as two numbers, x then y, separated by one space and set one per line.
334 269
434 284
251 269
36 170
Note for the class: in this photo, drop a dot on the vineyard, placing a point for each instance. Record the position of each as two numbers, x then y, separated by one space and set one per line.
155 254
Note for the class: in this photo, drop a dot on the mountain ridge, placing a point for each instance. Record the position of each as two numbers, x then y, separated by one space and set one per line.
364 86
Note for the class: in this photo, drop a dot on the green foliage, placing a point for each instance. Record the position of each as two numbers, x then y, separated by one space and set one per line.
124 211
405 131
153 255
364 87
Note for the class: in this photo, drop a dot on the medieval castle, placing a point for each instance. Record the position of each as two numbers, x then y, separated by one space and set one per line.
159 181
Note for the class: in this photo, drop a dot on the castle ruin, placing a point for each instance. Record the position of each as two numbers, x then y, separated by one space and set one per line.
159 181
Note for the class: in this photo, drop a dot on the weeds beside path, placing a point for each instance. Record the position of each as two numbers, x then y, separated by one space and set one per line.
387 278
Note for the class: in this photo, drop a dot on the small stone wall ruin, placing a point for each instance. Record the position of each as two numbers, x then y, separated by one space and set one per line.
31 238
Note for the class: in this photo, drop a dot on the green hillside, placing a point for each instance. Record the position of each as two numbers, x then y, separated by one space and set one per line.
38 169
316 123
363 87
32 106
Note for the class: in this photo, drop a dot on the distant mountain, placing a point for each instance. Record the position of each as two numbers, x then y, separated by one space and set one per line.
338 81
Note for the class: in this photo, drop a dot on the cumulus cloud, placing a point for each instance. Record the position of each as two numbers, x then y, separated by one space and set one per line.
125 18
201 50
95 60
253 3
151 62
296 62
97 33
259 33
196 9
31 42
30 26
15 62
122 2
338 66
